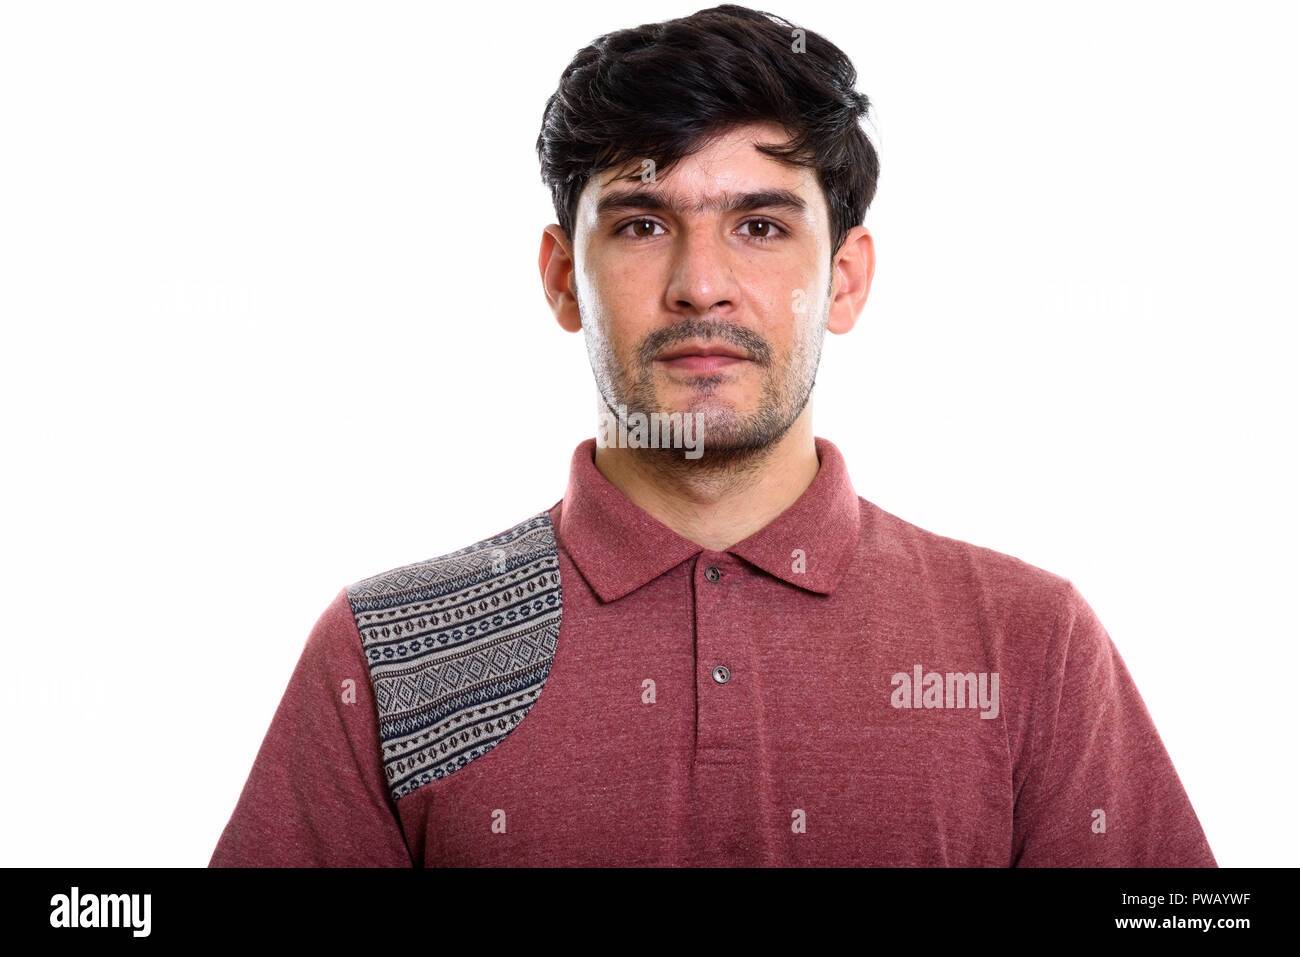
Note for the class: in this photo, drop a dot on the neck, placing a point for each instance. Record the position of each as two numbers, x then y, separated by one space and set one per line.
716 503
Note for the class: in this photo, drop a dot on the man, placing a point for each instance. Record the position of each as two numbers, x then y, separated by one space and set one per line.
711 650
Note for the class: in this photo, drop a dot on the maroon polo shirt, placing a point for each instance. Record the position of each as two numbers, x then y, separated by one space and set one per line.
590 688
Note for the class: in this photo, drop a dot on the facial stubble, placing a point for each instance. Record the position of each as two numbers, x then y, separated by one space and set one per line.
734 443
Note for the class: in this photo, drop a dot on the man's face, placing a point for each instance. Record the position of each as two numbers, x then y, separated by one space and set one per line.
670 274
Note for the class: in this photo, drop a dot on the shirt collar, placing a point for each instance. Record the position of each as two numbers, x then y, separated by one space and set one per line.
618 546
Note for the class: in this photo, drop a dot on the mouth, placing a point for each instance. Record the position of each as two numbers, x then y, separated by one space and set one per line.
701 358
700 363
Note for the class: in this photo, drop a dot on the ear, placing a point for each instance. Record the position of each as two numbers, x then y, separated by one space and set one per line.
852 270
555 262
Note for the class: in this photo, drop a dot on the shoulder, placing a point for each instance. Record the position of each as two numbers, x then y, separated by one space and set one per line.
458 648
525 546
959 568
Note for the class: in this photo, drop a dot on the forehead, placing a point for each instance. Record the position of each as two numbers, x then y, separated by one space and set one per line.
717 177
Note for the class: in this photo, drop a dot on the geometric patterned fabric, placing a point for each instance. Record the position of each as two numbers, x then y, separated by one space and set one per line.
458 649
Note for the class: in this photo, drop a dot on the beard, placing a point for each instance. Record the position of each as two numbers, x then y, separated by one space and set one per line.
733 440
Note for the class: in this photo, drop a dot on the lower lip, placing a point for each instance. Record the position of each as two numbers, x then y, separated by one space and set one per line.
701 363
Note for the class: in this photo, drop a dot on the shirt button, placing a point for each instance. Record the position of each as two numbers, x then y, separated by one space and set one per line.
722 674
712 573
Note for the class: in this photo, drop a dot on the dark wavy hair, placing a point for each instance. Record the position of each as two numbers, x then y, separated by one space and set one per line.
660 91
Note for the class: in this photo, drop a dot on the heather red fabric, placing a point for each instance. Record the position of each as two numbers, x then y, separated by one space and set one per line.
814 751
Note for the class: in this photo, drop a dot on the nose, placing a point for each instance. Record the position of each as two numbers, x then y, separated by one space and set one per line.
703 278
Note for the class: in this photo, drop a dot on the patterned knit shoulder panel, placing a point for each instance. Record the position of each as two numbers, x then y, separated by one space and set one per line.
458 648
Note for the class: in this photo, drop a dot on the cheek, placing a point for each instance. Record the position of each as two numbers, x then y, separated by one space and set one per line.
615 282
629 306
632 290
786 307
777 293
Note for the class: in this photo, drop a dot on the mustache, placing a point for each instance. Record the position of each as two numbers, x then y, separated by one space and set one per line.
706 331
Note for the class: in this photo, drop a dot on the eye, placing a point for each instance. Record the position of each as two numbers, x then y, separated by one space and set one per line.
766 234
759 230
638 233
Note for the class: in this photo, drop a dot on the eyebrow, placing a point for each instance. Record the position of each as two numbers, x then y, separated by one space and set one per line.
725 203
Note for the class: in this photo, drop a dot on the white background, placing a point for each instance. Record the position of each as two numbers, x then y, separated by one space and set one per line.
272 323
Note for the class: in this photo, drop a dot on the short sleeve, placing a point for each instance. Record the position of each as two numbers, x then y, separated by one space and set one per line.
317 795
1097 787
